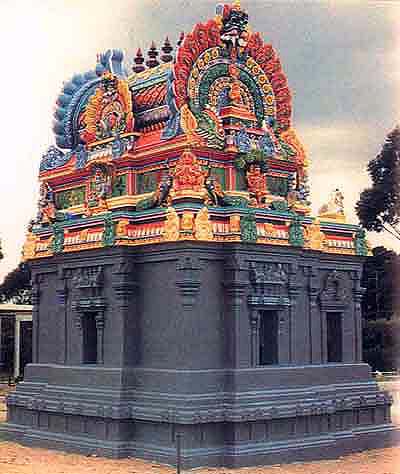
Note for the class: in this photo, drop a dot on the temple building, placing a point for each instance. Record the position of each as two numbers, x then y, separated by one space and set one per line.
15 340
180 283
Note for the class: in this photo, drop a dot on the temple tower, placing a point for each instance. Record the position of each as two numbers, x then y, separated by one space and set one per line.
180 283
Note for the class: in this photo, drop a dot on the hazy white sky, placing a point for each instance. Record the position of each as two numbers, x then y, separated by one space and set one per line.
342 60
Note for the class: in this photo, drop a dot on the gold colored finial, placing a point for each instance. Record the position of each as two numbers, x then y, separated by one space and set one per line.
236 5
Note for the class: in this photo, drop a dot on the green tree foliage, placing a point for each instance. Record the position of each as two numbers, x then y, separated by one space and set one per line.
379 279
381 344
379 206
381 325
16 287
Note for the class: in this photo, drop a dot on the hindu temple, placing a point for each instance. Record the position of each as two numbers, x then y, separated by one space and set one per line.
180 283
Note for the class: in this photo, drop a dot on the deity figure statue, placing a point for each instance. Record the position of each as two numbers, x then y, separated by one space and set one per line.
202 225
46 204
100 189
215 192
315 237
100 185
235 95
108 112
172 224
257 184
188 174
234 32
334 208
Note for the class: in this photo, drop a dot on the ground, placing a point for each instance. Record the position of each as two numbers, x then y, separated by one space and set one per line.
16 459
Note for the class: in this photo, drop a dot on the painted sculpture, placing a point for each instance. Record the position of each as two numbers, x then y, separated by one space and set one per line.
218 112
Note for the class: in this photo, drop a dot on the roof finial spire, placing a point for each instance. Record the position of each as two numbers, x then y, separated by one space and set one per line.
167 50
152 54
138 60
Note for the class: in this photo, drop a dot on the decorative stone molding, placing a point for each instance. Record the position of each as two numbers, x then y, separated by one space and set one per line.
89 277
269 291
188 270
269 282
334 293
142 412
62 290
123 281
88 283
88 301
312 274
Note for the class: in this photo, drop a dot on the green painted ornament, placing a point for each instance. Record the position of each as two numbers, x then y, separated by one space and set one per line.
235 201
360 243
58 238
248 228
296 232
109 232
281 206
287 151
146 203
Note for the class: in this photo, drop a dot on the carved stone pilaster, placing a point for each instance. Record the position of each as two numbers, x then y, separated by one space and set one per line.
234 283
36 293
99 317
78 319
255 331
314 320
62 297
235 291
358 294
235 288
313 284
188 270
62 293
124 284
294 290
125 289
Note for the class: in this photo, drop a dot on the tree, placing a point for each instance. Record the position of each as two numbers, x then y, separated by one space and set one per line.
16 286
379 281
379 206
381 322
381 344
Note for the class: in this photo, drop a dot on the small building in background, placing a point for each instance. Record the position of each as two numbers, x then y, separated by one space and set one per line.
15 339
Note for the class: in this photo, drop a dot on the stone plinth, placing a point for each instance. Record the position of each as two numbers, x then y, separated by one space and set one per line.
252 353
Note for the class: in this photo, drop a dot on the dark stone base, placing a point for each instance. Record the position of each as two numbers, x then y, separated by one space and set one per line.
311 448
132 346
255 427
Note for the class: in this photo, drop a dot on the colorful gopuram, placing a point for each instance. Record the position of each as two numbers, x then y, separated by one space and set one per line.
197 145
180 284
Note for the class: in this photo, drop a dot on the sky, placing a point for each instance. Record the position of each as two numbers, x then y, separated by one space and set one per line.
342 60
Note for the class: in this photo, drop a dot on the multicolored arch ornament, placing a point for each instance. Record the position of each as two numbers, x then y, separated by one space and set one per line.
221 64
197 146
93 108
